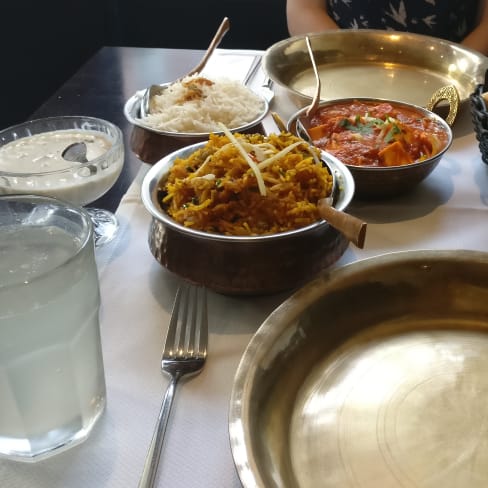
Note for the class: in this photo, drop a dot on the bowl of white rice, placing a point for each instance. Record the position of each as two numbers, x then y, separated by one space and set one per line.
189 110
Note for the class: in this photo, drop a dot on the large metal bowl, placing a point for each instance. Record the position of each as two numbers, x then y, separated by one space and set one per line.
372 375
243 265
150 144
373 63
376 182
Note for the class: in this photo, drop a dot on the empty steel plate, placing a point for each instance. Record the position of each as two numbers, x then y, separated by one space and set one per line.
373 375
373 63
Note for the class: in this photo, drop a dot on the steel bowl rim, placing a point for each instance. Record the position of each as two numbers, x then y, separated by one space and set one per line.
159 169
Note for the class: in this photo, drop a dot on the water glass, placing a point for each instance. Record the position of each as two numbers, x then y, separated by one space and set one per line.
52 386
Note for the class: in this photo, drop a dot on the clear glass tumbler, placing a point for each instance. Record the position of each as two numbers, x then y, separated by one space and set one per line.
52 385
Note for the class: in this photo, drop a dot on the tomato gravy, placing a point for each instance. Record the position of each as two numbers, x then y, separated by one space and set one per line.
363 133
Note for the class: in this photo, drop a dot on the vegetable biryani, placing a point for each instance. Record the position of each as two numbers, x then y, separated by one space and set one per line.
247 184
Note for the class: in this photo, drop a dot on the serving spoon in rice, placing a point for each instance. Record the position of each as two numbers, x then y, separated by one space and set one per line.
154 90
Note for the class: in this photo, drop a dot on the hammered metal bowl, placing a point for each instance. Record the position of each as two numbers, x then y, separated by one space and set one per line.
377 182
249 265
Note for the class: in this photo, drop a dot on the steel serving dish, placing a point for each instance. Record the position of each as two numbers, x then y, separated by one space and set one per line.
373 375
373 63
372 182
150 144
243 265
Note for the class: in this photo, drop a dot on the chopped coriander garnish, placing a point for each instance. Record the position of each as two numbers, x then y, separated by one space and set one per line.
365 125
357 126
392 133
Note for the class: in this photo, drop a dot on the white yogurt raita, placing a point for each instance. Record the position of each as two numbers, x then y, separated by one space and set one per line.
35 165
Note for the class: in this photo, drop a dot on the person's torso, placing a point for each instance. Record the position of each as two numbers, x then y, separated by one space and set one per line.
448 19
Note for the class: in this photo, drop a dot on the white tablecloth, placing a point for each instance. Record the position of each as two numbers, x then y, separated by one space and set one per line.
448 211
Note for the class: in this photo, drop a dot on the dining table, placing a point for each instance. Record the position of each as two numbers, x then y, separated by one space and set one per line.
447 211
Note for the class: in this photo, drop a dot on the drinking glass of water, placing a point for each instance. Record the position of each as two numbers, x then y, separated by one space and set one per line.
52 385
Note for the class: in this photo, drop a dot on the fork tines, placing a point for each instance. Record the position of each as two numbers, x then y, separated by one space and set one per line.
188 329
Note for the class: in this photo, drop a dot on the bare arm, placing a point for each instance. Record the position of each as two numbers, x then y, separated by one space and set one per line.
304 16
478 38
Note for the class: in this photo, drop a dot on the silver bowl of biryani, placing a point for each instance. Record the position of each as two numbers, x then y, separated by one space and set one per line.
388 146
189 110
252 244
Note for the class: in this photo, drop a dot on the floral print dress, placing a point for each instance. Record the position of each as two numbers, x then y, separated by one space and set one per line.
447 19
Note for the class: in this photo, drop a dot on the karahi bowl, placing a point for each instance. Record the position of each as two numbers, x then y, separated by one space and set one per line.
243 265
377 182
150 144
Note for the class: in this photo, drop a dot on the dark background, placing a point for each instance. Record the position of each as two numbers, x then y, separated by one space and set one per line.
44 42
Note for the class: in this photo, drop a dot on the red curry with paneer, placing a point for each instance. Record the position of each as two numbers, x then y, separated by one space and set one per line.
363 133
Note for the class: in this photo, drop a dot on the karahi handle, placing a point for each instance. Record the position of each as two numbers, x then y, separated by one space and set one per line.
352 227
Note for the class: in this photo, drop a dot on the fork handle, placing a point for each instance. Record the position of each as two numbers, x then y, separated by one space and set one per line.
154 452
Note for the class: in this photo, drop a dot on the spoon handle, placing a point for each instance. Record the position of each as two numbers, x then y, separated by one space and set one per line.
318 85
353 228
279 122
224 27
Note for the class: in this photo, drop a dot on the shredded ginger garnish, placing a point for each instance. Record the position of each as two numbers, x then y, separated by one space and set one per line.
249 161
245 148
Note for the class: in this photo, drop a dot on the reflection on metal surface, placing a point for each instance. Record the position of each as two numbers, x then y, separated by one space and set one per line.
375 80
402 409
369 63
387 392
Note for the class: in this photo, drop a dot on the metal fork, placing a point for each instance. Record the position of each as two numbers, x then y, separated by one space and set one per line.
184 354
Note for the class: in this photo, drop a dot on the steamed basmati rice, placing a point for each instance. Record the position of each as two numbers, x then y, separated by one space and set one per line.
197 105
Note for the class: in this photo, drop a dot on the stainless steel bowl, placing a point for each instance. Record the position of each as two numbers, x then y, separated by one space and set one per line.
374 182
372 375
243 265
150 144
373 63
